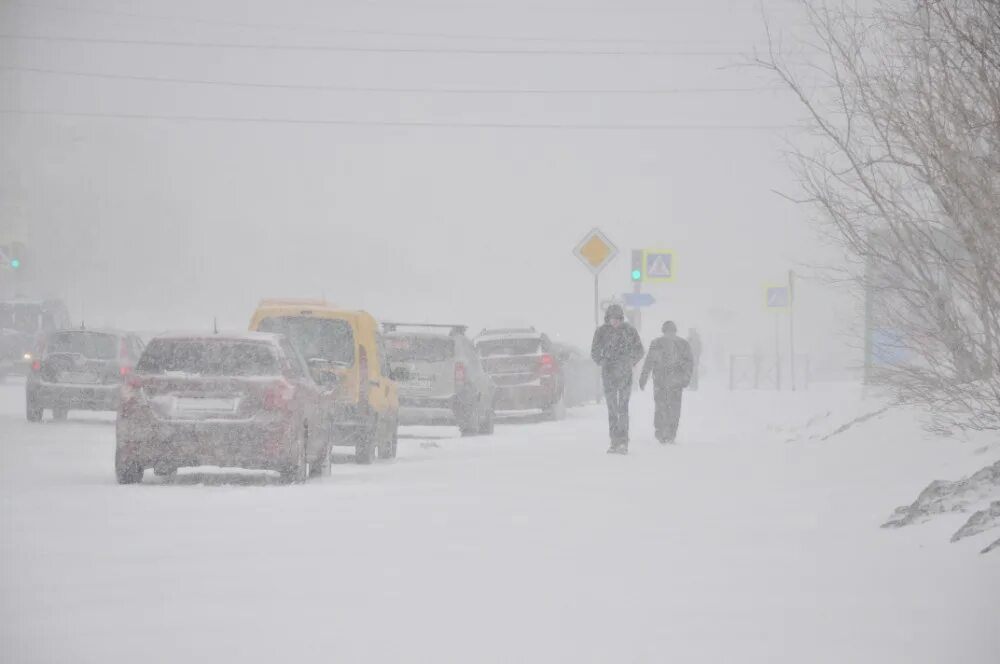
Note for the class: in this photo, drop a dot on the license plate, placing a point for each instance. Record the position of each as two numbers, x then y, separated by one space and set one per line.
420 384
205 405
74 377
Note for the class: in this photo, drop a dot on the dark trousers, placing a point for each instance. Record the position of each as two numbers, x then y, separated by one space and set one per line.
617 392
668 411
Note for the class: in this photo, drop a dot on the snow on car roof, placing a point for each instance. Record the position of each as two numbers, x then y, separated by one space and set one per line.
500 336
262 337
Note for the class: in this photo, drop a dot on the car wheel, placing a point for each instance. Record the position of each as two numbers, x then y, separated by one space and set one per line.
33 411
60 414
488 423
367 447
388 451
468 423
557 411
127 471
322 467
300 471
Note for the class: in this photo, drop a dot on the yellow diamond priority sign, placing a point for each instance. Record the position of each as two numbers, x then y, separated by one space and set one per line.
595 250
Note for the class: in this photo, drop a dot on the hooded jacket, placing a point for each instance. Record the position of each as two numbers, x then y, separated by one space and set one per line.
616 349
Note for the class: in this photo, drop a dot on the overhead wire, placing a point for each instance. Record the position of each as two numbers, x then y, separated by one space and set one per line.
383 89
402 123
349 31
365 49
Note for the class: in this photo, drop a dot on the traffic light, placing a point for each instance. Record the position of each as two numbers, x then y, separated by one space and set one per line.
12 255
637 265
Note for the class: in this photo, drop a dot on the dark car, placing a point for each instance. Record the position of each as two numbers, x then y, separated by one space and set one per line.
241 400
581 376
442 378
526 369
23 327
79 370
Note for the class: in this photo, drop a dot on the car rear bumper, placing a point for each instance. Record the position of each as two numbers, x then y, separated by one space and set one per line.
416 410
74 397
525 397
251 444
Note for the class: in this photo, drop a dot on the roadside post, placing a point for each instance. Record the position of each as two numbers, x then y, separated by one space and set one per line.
778 298
596 251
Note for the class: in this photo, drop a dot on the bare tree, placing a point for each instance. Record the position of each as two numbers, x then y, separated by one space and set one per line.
903 166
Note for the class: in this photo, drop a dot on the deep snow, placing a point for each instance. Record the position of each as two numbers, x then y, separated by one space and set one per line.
754 540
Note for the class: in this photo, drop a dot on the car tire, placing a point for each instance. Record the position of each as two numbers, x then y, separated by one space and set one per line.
323 465
391 446
557 411
33 411
488 423
127 471
60 414
469 423
300 471
367 448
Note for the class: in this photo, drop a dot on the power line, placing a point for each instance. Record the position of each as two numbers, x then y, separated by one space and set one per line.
383 89
365 49
350 31
400 123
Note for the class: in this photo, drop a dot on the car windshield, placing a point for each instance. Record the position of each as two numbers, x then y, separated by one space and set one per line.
499 347
208 357
24 318
405 348
94 345
316 338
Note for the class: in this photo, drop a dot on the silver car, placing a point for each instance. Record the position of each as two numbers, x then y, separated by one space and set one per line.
444 382
79 370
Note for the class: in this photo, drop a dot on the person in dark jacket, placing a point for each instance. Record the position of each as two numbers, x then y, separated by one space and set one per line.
670 363
617 348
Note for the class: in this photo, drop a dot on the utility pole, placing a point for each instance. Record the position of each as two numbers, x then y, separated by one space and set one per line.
791 325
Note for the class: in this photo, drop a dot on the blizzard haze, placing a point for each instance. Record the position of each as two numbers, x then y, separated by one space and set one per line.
160 223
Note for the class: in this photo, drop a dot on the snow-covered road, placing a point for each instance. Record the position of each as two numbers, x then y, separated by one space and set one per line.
752 541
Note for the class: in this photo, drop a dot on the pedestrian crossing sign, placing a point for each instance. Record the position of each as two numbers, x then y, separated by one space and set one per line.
778 297
658 265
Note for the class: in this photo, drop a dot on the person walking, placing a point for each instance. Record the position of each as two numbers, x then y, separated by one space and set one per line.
694 341
617 348
670 363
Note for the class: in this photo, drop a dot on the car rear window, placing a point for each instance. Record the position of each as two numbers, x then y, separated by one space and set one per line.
328 339
209 357
94 345
405 348
499 347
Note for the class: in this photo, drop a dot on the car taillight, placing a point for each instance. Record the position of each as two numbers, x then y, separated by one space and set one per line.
36 365
548 363
459 373
131 387
279 396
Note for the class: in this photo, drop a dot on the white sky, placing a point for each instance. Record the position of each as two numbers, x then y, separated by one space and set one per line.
154 224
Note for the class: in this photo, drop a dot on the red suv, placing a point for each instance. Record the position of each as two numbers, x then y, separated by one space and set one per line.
241 400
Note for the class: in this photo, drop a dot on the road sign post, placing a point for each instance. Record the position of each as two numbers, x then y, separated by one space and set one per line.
791 325
596 251
778 298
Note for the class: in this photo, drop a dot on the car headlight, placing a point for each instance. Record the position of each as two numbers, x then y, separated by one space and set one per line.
27 356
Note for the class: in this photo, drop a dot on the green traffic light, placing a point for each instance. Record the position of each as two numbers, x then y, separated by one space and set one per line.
15 263
636 275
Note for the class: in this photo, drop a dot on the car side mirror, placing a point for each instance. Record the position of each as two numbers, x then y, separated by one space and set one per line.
321 373
399 373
